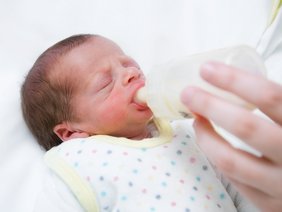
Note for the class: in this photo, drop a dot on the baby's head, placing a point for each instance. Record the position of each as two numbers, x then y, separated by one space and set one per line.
83 85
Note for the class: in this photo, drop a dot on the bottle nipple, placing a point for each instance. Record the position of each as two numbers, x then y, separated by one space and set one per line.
141 95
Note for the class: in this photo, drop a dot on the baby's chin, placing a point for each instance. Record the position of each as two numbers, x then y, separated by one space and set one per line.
146 116
143 134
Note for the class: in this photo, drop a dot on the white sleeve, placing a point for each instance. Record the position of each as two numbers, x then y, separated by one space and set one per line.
55 196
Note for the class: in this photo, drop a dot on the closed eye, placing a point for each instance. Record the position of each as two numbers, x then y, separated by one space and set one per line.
104 82
101 81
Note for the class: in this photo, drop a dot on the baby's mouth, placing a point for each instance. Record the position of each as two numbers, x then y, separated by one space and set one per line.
142 105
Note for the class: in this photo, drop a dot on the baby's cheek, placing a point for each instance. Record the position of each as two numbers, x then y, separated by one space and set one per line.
114 113
115 108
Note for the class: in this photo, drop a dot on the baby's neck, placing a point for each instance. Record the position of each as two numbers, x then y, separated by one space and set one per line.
149 132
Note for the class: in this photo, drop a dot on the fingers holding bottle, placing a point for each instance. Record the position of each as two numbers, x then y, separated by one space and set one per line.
237 120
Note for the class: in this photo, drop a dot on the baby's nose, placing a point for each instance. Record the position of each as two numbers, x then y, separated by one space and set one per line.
131 74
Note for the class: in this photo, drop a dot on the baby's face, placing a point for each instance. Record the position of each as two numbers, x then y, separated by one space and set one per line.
104 99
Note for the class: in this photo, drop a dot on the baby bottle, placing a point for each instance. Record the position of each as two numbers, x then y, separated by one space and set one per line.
165 83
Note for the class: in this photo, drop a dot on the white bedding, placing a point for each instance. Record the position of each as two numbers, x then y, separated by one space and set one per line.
151 31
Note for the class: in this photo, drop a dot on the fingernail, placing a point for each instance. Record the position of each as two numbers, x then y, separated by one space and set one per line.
187 95
208 69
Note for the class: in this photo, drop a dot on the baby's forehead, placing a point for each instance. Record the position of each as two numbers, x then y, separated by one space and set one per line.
88 56
95 47
94 51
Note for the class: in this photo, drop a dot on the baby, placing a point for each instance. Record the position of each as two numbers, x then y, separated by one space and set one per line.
119 157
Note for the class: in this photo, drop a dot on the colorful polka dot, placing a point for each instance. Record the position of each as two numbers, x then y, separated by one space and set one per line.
179 152
173 204
181 181
135 171
210 188
222 196
167 174
164 184
103 194
123 198
192 160
205 167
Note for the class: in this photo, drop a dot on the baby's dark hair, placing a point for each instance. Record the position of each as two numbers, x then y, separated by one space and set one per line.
46 101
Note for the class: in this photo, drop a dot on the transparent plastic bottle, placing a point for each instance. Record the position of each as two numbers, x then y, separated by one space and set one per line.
165 83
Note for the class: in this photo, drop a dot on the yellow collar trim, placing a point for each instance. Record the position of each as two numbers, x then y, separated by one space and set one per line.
165 136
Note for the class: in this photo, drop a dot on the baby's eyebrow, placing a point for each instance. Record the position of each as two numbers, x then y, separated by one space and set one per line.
102 68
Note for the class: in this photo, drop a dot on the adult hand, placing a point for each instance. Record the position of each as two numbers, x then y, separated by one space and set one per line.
258 178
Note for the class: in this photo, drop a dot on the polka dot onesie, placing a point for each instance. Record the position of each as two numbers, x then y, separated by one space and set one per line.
164 173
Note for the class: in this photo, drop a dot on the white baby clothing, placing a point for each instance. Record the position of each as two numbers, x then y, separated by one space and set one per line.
165 173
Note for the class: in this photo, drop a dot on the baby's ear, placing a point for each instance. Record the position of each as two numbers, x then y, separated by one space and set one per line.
66 132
